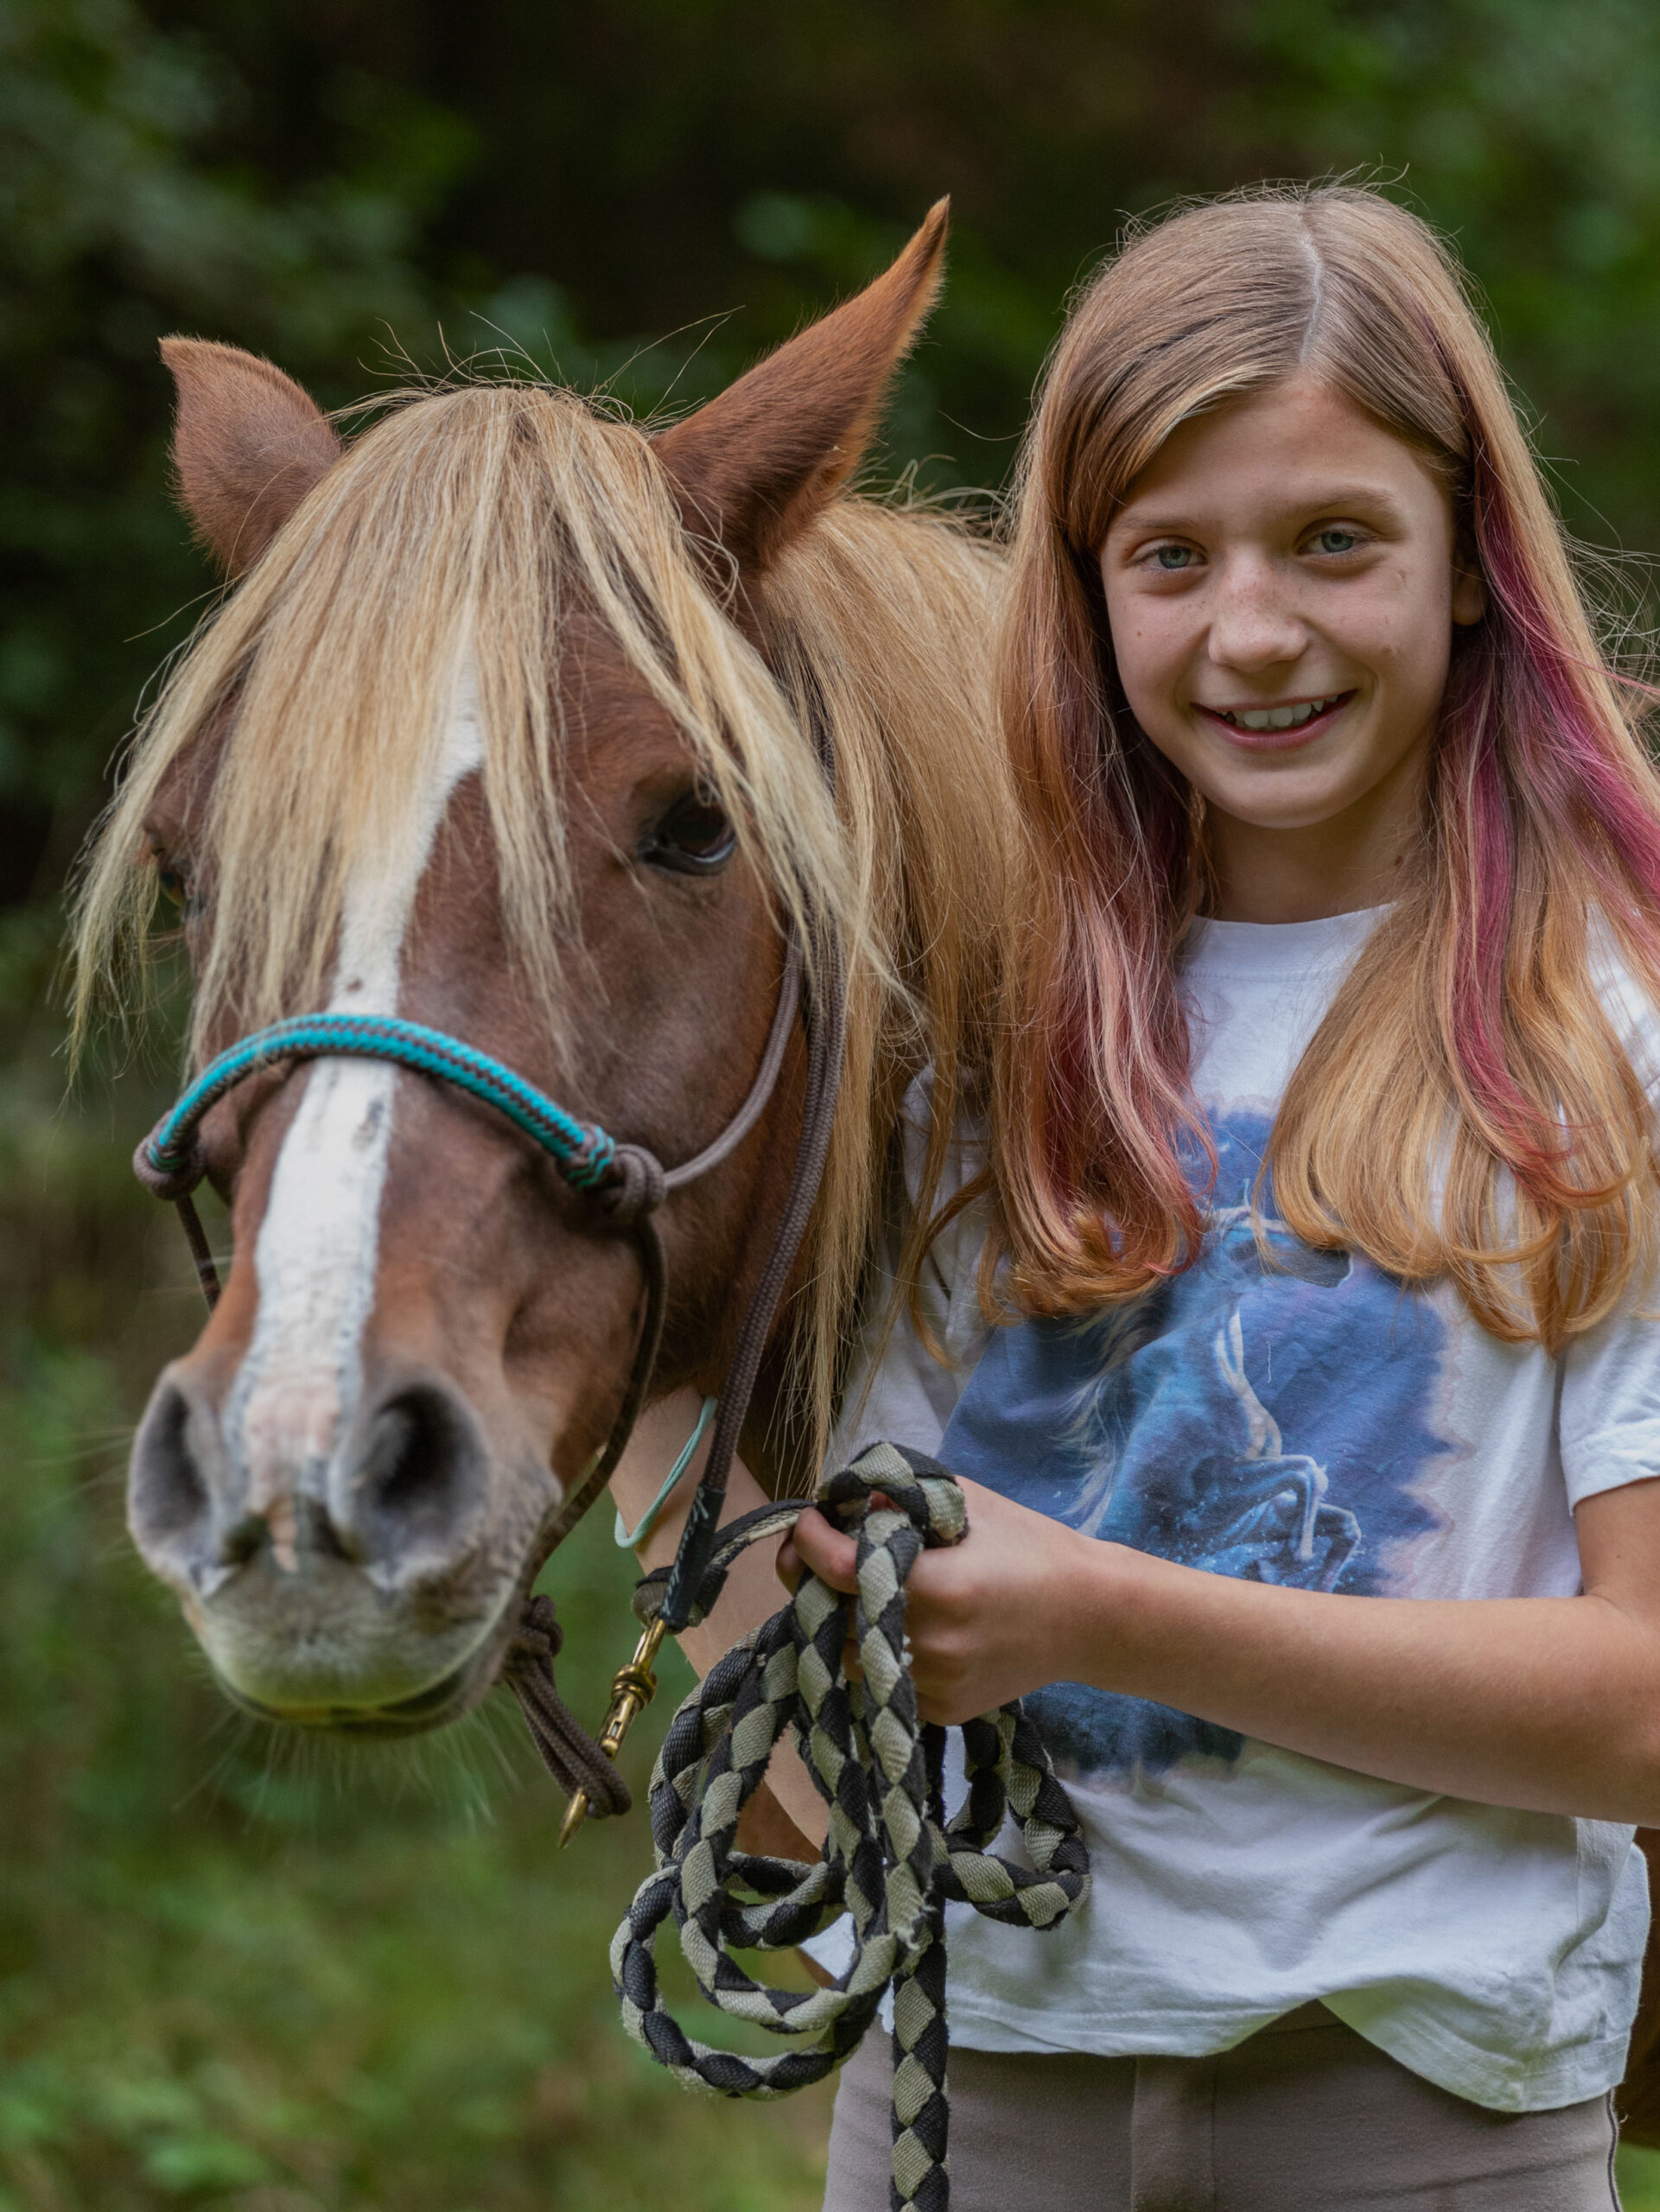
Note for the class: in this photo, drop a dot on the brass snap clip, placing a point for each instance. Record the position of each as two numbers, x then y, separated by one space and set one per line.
632 1689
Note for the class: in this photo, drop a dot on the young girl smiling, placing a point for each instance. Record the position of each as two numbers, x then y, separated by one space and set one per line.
1285 1313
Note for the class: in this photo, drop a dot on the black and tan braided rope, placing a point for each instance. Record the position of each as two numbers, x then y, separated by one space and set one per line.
890 1857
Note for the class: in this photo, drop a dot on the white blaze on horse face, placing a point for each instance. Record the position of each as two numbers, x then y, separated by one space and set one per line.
316 1256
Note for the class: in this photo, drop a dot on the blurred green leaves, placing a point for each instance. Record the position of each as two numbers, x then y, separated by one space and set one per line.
115 226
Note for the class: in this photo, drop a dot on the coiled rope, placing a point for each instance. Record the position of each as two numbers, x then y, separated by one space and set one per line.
890 1857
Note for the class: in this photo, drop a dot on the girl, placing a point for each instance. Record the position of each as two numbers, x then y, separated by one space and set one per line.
1287 1319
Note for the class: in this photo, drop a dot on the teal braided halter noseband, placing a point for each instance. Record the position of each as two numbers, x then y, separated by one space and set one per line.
582 1151
626 1180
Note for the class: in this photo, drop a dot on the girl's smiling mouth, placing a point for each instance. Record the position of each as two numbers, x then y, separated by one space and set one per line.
1276 728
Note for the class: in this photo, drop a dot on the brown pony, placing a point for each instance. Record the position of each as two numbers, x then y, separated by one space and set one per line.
504 729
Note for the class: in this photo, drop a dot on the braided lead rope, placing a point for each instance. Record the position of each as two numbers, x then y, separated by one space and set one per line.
889 1856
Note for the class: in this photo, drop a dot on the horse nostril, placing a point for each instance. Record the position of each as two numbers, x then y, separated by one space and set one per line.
168 1504
420 1479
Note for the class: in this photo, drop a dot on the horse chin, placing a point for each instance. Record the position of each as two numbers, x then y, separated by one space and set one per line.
301 1662
436 1706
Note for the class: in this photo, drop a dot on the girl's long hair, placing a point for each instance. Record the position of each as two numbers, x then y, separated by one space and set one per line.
1469 1107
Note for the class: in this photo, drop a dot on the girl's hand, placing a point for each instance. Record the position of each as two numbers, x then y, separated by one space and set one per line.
988 1619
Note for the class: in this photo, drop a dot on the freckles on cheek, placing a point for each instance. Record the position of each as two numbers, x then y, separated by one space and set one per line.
1413 595
1381 629
1144 658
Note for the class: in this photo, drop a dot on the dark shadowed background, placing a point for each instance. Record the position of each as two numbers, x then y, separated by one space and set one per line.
241 1974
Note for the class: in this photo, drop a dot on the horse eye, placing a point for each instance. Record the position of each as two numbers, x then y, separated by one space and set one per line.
174 884
693 838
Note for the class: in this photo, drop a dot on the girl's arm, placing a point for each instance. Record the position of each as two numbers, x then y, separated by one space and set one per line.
1551 1705
751 1596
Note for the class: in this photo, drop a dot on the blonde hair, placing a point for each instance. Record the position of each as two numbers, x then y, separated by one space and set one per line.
472 522
1466 1109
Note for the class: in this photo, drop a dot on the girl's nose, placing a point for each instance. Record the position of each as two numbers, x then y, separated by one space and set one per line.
1253 625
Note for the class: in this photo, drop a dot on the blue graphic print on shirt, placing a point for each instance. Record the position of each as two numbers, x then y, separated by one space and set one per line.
1260 1416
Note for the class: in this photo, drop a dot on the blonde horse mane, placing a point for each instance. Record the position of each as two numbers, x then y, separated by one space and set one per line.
471 523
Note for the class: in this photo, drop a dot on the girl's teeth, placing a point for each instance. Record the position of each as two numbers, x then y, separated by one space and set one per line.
1265 718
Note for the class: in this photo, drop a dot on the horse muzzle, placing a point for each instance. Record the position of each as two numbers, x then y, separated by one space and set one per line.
342 1582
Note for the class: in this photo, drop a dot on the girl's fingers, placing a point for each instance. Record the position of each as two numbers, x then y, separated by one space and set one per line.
816 1544
791 1568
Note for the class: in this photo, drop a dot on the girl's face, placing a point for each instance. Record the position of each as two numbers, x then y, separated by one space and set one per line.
1281 587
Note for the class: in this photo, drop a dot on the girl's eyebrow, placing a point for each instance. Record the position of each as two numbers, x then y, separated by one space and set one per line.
1327 499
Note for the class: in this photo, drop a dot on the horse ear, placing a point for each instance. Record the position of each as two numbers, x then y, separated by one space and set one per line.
753 468
248 445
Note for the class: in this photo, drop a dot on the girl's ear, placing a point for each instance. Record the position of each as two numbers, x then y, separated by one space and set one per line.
1469 585
248 445
752 468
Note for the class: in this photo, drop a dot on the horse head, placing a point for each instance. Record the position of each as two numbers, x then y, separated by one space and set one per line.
504 729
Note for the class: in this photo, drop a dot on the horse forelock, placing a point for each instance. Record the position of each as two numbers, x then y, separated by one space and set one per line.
470 524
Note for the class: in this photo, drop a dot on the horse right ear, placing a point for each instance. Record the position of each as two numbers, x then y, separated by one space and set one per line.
754 467
248 445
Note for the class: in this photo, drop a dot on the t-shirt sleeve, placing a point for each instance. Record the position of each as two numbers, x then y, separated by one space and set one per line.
1610 1419
897 1391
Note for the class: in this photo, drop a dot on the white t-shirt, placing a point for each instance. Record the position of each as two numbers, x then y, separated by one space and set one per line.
1312 1423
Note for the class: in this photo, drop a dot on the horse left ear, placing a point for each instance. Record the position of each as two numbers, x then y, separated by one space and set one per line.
248 445
753 468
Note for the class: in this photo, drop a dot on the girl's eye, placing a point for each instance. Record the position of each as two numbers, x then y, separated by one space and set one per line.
1172 559
693 838
1334 541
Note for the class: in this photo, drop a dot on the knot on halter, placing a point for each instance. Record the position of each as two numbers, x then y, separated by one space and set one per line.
635 1188
537 1634
171 1179
569 1753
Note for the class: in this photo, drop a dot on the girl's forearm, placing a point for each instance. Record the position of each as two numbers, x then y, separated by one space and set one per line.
1550 1704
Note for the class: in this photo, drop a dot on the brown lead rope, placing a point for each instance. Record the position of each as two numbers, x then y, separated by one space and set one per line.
583 1768
825 1048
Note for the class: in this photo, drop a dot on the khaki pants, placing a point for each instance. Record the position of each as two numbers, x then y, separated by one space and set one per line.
1305 2117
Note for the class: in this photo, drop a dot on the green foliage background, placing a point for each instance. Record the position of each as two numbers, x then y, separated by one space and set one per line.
231 1975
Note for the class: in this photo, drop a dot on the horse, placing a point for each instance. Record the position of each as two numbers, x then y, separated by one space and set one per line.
511 724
